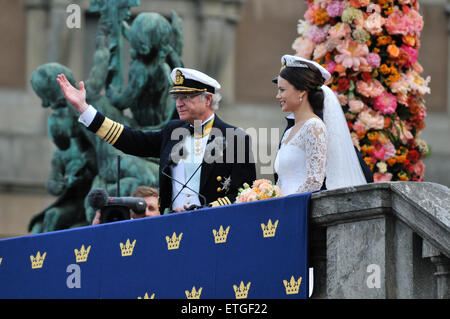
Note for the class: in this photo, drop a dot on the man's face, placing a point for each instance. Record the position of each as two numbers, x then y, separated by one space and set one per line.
151 210
191 107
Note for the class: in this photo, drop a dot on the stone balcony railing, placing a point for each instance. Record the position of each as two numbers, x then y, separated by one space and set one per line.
382 240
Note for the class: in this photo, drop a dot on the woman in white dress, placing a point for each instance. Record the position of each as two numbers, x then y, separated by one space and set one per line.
318 147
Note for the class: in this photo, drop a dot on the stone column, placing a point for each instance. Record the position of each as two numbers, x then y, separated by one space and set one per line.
216 55
442 274
37 15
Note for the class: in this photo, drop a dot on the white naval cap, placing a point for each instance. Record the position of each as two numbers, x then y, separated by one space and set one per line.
191 81
296 61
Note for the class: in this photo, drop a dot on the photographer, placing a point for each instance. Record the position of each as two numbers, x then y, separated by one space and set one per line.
151 198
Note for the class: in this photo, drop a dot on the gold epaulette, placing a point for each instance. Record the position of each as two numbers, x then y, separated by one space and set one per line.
110 131
220 202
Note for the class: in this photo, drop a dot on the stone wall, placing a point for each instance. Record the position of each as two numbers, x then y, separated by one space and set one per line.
383 240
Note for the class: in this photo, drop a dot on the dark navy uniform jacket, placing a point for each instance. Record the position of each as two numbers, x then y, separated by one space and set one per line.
236 168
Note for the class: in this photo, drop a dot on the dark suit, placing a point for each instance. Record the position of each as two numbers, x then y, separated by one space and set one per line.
159 144
366 170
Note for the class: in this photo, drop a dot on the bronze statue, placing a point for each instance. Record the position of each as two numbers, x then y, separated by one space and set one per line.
82 161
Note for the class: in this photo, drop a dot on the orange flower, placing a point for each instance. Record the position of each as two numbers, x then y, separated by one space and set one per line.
321 16
384 69
368 160
403 176
393 50
367 148
387 122
391 161
394 77
383 40
372 136
340 69
409 40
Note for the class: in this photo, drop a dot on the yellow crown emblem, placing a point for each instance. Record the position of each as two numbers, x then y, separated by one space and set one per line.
1 259
293 286
82 254
174 242
221 235
179 78
241 292
270 229
127 249
38 261
147 297
194 294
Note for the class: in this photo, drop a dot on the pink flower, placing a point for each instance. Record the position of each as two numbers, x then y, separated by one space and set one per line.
419 168
359 127
411 53
379 151
355 105
382 177
397 23
371 88
303 47
371 119
334 9
405 136
330 66
385 103
374 60
316 34
258 182
374 23
390 150
339 30
320 51
352 54
415 22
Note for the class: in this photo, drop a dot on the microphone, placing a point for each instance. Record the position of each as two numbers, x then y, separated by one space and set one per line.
115 208
184 186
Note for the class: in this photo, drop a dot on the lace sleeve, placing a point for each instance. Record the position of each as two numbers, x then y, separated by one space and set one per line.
314 141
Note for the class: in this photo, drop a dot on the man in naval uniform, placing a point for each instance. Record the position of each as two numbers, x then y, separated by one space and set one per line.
199 154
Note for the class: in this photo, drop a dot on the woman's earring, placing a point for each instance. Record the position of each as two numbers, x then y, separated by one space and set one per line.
301 99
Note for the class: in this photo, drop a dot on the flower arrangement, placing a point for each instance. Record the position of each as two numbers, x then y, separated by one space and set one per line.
261 189
371 49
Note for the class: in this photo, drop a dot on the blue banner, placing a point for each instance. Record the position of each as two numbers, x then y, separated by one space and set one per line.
251 250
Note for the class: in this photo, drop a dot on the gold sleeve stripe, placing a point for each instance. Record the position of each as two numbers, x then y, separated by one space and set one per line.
114 140
227 200
110 131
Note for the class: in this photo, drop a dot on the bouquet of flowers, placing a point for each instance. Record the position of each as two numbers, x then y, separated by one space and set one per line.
261 189
371 49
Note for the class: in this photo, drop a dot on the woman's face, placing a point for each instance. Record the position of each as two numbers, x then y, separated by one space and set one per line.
288 96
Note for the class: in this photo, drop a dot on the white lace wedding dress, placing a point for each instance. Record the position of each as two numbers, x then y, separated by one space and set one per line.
300 163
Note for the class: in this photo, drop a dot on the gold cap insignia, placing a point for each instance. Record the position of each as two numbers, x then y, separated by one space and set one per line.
283 65
179 78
